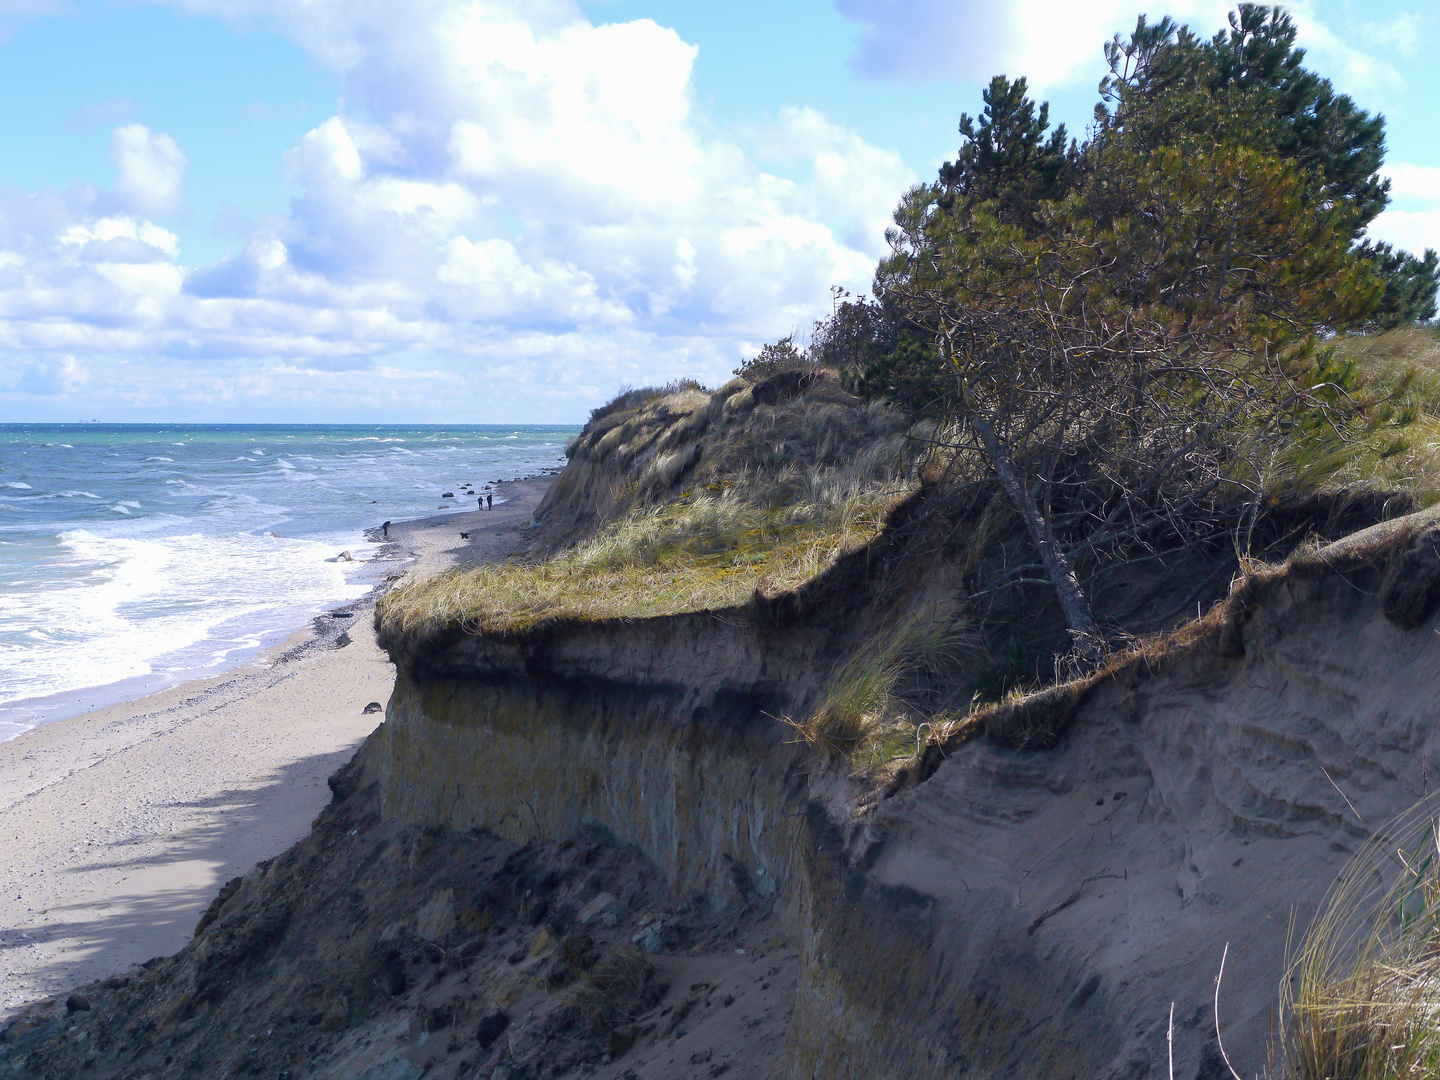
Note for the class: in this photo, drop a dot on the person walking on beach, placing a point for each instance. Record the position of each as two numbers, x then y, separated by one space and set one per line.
385 530
481 501
490 502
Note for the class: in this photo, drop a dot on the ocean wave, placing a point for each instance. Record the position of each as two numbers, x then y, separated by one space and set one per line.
18 485
129 606
9 729
171 460
43 496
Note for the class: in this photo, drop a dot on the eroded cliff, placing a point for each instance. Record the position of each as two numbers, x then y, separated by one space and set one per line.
597 846
1019 912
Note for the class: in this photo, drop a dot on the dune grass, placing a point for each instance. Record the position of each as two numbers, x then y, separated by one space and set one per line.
1365 1003
869 715
703 551
1409 356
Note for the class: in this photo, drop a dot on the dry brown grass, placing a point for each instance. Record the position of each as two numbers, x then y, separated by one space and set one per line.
1362 993
710 503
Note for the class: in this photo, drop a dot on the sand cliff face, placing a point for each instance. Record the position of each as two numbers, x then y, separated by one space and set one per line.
1017 913
663 731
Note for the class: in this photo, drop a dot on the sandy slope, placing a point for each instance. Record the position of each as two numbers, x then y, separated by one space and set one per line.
118 826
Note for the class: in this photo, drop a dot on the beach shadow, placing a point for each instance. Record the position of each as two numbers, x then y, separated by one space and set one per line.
150 915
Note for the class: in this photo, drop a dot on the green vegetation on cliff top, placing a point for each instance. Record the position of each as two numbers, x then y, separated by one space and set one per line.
715 500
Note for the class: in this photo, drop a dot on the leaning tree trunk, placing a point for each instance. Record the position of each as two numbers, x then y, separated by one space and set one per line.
1084 633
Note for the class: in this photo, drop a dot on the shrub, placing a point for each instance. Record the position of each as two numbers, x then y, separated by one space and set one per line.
782 355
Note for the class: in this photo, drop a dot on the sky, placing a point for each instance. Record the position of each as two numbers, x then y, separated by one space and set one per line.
484 211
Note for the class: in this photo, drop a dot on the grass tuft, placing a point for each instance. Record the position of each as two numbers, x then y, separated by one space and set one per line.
867 717
1366 978
1406 458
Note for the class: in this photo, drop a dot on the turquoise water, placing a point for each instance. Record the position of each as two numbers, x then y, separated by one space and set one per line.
142 554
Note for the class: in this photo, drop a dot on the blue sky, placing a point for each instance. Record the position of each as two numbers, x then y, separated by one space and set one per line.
234 96
486 210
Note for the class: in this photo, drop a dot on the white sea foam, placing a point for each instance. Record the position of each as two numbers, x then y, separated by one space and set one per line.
18 485
182 602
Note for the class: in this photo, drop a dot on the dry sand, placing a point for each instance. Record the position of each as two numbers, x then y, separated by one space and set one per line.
118 826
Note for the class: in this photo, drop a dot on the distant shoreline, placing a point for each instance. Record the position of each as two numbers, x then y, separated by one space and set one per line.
118 825
517 499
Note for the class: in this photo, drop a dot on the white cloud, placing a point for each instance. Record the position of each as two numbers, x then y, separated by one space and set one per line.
530 205
1331 52
150 167
1056 43
1050 42
53 375
1413 230
1409 181
140 235
1412 221
492 281
1404 33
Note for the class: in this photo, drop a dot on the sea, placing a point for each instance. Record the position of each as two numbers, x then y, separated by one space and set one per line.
134 557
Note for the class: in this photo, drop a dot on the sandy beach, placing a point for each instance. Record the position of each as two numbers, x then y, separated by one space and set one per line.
118 826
